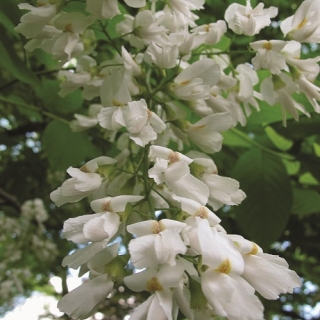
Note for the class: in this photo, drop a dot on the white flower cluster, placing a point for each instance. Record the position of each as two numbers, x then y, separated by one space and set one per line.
151 95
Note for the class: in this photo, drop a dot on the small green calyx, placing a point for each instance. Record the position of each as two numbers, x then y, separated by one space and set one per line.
181 124
116 267
105 170
196 170
295 73
197 298
278 83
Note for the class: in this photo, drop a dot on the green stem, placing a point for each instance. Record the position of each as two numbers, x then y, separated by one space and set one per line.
147 189
243 136
33 108
109 38
224 52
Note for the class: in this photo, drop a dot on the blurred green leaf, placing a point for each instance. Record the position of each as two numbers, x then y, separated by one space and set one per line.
279 141
298 130
264 214
305 201
65 148
48 93
10 61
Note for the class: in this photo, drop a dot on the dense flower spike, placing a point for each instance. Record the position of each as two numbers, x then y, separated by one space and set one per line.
161 85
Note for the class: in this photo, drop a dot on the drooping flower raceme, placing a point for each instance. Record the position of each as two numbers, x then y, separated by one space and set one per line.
246 20
158 83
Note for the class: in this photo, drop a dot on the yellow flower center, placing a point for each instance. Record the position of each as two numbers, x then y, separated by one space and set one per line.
254 249
202 213
154 285
157 227
267 45
302 23
107 206
225 267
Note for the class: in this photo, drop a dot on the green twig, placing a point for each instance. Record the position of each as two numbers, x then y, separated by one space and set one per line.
33 108
243 136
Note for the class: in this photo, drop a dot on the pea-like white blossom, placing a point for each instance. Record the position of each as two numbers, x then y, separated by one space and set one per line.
100 226
247 20
205 133
213 31
141 123
163 56
157 242
84 182
269 55
33 22
195 81
226 291
174 171
279 89
304 25
81 302
222 190
82 122
103 9
159 282
268 274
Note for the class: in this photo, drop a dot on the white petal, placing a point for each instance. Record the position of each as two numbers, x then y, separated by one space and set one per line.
80 302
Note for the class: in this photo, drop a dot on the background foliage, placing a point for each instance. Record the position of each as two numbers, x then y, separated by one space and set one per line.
278 168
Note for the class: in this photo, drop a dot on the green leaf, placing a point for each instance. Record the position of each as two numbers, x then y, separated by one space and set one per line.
32 114
223 44
293 167
299 130
45 58
232 139
264 214
267 114
10 61
10 15
305 201
65 148
309 179
48 93
279 141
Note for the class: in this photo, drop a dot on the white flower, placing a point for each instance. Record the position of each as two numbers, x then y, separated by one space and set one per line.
279 89
268 274
178 178
246 20
195 81
308 67
86 122
144 27
269 55
84 182
33 22
303 26
83 255
213 31
159 282
103 9
142 124
222 190
157 242
83 77
68 44
163 56
205 132
194 209
226 291
248 78
99 226
82 301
